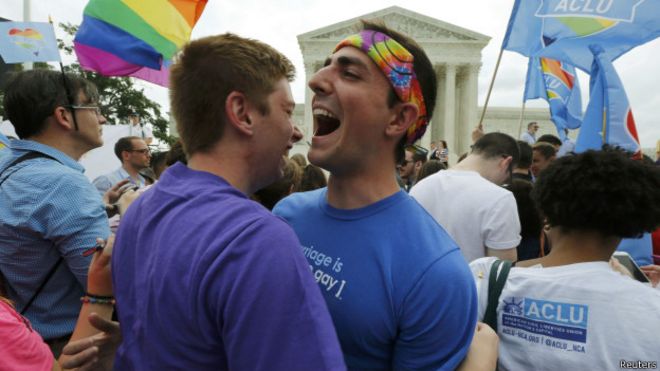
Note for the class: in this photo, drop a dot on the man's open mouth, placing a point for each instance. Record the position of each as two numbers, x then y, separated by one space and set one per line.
326 122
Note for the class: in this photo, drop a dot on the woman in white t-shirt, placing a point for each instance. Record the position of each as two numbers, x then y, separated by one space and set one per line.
569 310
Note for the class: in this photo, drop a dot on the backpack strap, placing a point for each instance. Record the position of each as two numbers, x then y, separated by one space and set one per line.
28 156
496 283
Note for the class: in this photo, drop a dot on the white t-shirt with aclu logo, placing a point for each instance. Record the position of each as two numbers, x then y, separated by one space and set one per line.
575 317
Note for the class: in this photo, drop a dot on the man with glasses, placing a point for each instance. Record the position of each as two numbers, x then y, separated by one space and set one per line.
50 212
411 165
469 202
134 155
140 129
530 135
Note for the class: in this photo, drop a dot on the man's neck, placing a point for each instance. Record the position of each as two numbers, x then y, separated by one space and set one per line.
133 172
227 164
62 144
484 167
574 248
361 189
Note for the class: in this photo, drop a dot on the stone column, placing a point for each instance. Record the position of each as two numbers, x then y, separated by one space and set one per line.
468 106
437 123
308 123
449 103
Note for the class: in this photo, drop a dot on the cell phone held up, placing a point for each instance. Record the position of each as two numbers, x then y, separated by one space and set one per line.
627 261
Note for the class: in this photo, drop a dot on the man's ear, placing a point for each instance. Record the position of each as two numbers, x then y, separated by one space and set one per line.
64 118
238 110
406 115
506 161
418 165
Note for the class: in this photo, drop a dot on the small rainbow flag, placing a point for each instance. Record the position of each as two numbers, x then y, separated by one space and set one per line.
135 38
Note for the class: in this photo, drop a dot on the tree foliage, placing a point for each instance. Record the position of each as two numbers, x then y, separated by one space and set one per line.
119 96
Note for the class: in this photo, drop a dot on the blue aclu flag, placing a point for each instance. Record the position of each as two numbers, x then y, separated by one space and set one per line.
609 119
556 82
564 29
28 42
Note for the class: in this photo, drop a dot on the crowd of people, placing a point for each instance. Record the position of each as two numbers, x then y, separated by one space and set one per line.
377 254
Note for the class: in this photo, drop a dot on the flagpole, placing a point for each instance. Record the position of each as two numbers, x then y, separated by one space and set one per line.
604 125
26 18
490 88
522 113
70 98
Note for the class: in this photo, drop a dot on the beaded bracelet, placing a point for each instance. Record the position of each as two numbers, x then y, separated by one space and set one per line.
98 296
91 299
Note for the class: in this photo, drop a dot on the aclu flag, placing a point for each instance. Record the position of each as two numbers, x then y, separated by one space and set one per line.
556 83
609 119
564 29
28 42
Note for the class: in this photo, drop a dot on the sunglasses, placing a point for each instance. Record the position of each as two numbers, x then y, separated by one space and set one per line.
418 150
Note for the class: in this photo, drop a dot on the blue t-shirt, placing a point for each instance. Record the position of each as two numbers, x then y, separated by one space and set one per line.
398 289
206 279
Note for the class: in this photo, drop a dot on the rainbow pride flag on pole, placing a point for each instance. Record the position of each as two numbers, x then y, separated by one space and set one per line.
135 38
557 83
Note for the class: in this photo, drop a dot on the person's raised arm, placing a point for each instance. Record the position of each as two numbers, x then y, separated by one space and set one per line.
95 337
503 254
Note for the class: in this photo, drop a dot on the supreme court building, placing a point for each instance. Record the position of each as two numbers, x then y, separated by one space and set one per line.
456 56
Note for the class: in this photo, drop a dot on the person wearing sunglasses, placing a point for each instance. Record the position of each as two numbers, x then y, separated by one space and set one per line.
409 168
135 156
530 135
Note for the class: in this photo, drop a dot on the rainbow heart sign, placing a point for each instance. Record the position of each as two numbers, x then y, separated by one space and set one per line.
28 42
27 39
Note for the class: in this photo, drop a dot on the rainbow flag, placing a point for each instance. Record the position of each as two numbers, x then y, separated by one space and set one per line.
135 38
557 83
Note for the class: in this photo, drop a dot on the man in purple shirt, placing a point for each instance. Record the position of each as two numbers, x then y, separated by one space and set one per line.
206 279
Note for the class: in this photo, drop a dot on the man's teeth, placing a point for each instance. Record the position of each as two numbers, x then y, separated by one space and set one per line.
322 112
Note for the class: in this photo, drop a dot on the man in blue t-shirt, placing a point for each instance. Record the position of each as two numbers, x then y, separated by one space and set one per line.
205 278
398 290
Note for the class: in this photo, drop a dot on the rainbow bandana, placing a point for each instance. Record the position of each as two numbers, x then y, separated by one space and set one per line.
397 64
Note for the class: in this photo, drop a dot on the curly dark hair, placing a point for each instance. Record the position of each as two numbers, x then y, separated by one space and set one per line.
601 191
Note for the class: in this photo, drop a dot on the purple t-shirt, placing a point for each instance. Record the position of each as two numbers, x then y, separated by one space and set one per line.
206 279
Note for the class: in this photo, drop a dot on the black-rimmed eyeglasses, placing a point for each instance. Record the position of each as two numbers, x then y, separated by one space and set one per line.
96 109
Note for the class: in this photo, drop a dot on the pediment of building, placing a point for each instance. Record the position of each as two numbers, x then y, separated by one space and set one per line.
418 26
